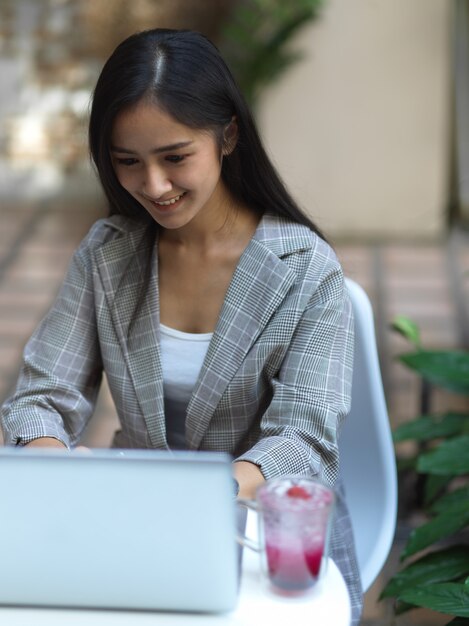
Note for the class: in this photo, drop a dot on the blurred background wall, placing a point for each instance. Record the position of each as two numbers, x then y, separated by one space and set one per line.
51 52
360 128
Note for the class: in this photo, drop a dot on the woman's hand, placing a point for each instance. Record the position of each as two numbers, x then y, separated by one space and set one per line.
249 477
51 442
45 442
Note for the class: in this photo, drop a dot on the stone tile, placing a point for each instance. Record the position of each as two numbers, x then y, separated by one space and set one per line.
68 226
27 284
421 617
39 269
13 222
421 309
9 355
20 300
442 401
411 258
19 329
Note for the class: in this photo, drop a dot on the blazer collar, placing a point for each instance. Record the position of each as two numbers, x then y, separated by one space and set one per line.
128 267
283 237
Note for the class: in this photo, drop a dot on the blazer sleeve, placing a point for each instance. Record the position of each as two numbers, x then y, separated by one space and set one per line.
312 391
61 371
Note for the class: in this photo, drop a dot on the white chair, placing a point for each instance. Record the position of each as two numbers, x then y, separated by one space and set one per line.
368 463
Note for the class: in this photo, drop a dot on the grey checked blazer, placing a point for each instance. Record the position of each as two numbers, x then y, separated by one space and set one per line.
275 384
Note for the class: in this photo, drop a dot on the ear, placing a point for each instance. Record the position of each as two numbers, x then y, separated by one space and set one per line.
230 137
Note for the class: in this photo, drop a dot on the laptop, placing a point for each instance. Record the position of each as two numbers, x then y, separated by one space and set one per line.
132 529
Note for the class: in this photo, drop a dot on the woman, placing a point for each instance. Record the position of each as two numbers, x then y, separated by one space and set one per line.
213 304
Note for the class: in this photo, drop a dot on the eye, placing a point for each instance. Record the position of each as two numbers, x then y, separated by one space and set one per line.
127 162
175 158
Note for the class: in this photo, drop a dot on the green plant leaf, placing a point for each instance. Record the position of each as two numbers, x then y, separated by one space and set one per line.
458 621
407 328
255 38
442 566
428 427
451 458
406 464
449 598
445 368
433 486
402 607
443 525
452 501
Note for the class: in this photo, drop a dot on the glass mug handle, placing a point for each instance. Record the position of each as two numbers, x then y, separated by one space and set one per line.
242 539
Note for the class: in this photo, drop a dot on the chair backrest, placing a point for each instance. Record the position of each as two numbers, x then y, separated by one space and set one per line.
368 462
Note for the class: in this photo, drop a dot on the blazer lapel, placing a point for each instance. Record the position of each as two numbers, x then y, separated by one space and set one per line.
259 284
128 270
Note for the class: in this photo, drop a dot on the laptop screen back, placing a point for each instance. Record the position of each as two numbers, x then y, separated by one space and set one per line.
118 529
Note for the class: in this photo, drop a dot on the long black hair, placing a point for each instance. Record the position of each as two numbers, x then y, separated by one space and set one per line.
185 75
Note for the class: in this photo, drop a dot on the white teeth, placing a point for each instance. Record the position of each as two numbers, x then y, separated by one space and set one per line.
168 202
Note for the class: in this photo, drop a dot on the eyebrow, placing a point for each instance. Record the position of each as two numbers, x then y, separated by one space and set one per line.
169 148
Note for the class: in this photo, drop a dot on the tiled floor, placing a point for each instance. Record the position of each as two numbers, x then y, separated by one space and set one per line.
426 281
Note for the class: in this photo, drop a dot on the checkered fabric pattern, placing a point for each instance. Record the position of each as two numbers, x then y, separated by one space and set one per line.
276 381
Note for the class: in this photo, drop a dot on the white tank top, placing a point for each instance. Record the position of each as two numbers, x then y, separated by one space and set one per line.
182 355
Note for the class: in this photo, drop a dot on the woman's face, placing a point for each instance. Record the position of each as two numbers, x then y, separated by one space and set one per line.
172 170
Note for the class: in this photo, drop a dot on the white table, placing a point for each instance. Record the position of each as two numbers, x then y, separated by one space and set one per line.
327 605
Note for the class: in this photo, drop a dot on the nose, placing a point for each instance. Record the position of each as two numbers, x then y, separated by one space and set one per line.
156 182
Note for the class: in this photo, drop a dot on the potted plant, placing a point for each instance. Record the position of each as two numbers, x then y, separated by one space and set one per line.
254 40
435 573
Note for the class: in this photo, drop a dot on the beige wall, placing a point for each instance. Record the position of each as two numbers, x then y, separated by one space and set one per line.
360 128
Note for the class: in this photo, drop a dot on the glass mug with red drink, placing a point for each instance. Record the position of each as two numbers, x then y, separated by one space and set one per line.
294 520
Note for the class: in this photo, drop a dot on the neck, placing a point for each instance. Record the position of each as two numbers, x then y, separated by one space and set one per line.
212 229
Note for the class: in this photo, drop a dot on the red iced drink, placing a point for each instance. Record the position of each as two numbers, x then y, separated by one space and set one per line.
293 568
296 516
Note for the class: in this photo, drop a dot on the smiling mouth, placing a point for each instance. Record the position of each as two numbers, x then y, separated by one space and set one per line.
170 201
